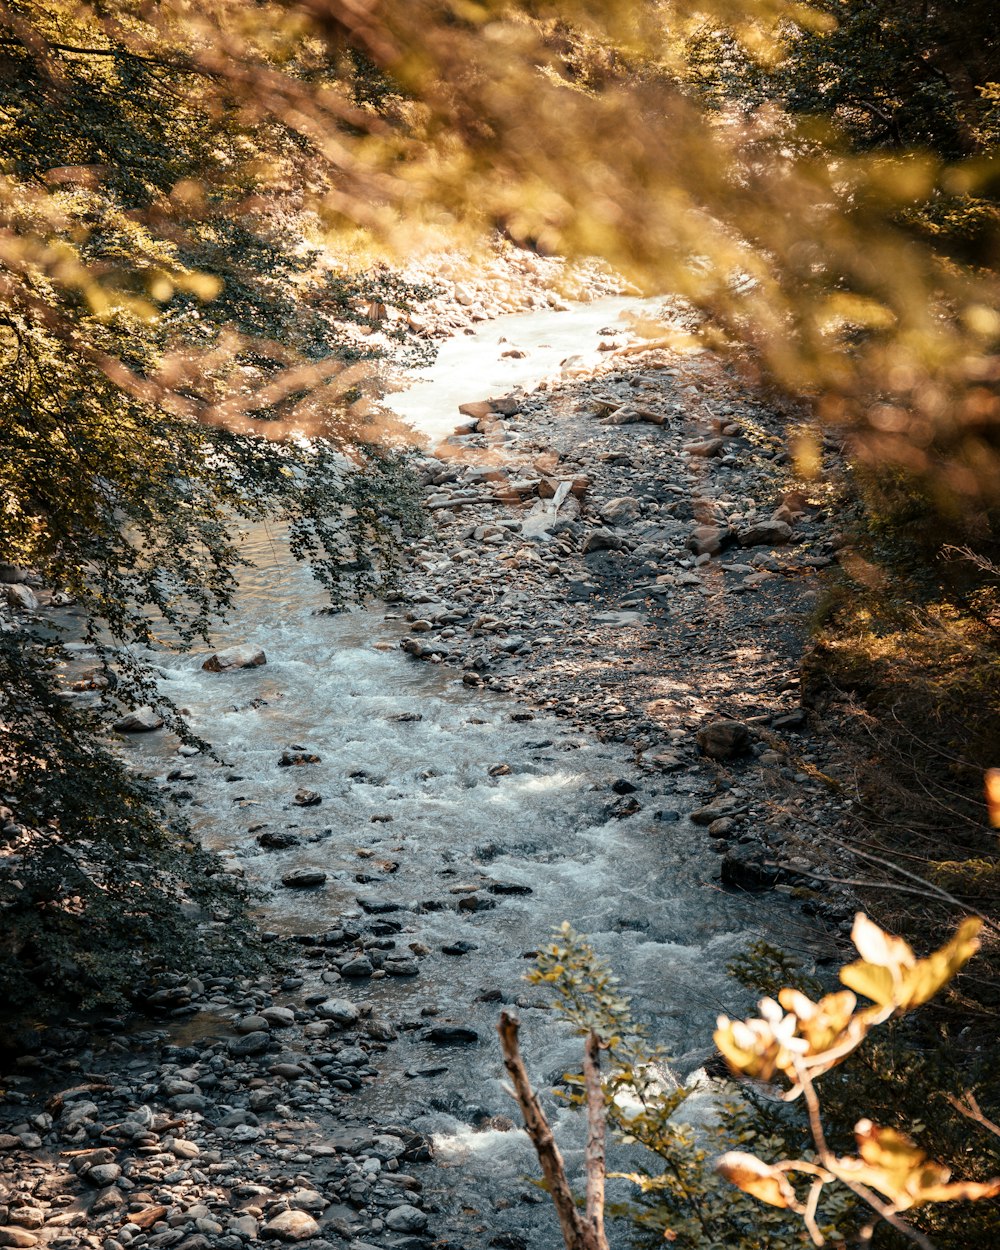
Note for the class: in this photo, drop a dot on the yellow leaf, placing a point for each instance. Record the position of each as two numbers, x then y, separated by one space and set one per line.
756 1178
874 982
993 796
879 947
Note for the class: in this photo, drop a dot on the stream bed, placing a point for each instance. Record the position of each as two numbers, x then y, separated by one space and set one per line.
433 794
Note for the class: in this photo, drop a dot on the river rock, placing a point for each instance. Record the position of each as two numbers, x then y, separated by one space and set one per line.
770 533
235 657
340 1011
307 798
143 720
295 757
10 1235
724 739
277 839
406 1219
303 878
360 967
747 868
291 1225
249 1044
451 1035
23 598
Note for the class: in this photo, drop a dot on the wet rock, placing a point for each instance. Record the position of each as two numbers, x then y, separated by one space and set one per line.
724 739
143 720
295 757
459 948
747 868
623 786
360 967
279 1017
277 840
303 878
451 1035
249 1044
235 657
251 1024
401 967
307 798
601 539
339 1011
406 1219
291 1225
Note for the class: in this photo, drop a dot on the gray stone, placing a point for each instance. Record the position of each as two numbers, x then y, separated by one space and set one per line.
291 1225
360 967
340 1011
765 534
747 868
601 540
249 1044
235 657
142 720
406 1219
303 878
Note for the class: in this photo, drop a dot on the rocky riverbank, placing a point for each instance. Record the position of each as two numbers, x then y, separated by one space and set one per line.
620 553
629 549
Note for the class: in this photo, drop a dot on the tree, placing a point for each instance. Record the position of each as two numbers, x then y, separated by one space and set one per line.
155 291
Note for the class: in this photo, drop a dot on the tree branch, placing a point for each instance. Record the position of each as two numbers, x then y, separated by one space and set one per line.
576 1233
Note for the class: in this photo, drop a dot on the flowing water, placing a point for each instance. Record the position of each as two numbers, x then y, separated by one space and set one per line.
417 792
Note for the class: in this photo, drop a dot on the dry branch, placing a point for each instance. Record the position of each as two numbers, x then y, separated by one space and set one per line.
579 1233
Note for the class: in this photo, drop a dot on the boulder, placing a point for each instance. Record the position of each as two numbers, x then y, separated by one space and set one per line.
235 657
406 1219
143 720
770 533
303 878
724 739
747 868
291 1225
23 598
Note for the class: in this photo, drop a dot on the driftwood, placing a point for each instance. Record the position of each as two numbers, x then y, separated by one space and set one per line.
580 1231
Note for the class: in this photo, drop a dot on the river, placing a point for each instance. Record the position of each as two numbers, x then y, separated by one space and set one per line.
406 753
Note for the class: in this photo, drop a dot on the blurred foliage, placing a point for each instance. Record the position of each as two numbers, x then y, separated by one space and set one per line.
166 321
909 1087
681 1199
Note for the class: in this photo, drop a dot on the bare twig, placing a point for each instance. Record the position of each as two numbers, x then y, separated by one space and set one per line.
596 1129
831 1163
577 1234
969 1107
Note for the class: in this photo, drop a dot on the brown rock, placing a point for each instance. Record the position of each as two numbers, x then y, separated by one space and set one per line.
724 739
